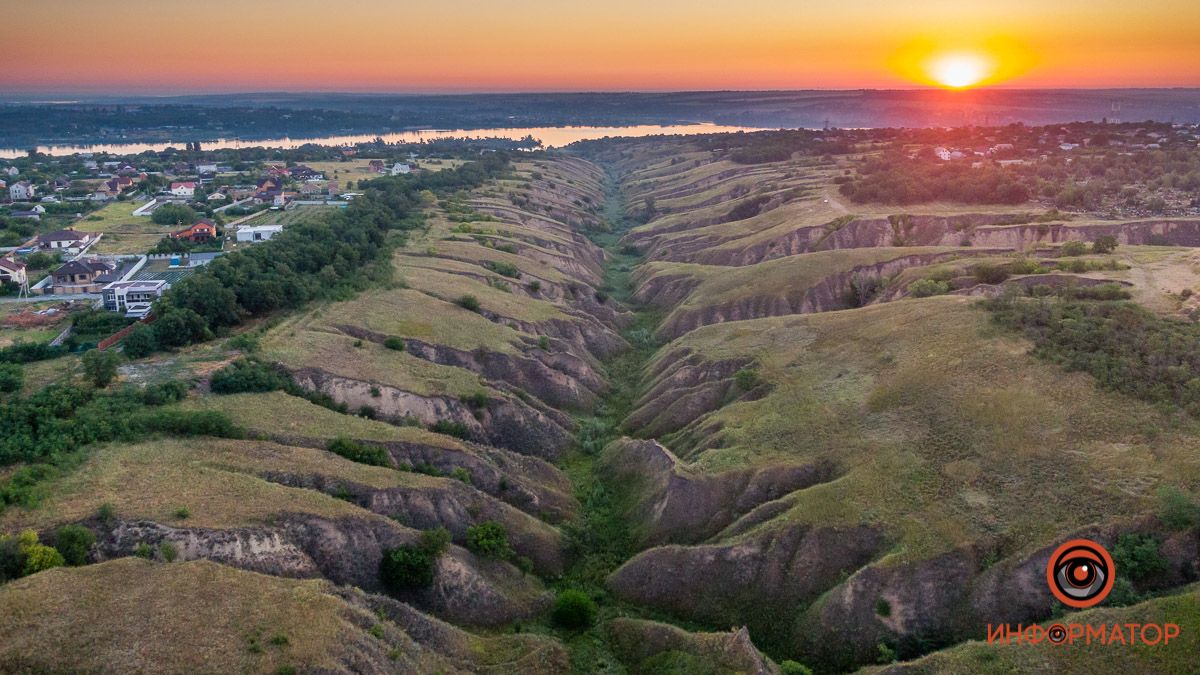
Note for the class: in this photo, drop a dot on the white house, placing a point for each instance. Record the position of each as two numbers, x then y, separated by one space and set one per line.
183 189
942 154
22 191
203 169
120 295
399 169
67 240
256 233
12 171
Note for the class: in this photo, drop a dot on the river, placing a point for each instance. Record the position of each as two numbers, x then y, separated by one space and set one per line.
551 137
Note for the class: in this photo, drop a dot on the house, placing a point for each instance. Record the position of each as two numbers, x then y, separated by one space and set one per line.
312 188
206 169
216 197
184 189
65 240
81 276
123 296
942 154
22 191
349 151
302 172
62 183
376 165
35 213
282 198
3 185
278 170
203 230
116 186
399 169
256 233
12 171
13 271
266 185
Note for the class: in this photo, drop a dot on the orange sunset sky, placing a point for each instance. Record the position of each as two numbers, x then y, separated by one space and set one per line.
162 46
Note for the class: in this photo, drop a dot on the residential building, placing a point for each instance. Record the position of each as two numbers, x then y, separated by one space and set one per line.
64 239
81 276
22 191
12 171
207 169
376 165
184 189
203 230
120 295
399 169
13 271
256 233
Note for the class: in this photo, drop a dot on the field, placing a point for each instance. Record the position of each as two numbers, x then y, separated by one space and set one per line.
298 214
123 232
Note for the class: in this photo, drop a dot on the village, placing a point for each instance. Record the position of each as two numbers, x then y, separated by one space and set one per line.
128 233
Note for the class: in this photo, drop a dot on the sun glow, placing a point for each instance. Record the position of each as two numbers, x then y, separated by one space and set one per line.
959 70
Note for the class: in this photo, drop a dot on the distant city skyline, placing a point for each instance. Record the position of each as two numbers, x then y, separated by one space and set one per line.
170 46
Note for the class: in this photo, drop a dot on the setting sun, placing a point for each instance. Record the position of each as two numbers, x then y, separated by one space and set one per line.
959 70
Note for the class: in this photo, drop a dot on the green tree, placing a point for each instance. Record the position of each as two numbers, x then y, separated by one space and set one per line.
574 610
1104 244
180 327
74 542
12 378
490 540
100 367
173 214
140 342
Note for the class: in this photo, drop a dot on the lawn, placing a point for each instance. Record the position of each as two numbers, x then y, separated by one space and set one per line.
123 232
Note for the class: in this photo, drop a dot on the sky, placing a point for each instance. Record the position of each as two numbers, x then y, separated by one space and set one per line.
177 46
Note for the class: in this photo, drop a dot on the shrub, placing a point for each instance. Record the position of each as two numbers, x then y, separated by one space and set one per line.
394 343
544 343
503 268
12 378
106 513
469 303
182 513
359 452
460 474
490 540
1105 244
456 429
573 610
142 550
74 542
789 667
883 607
989 274
534 286
747 378
140 342
1136 556
246 342
1176 510
173 214
248 375
1072 248
168 551
476 400
39 557
924 288
100 368
434 541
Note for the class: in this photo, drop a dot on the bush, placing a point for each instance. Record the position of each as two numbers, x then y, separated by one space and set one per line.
1176 510
989 274
182 513
883 607
1136 556
74 542
789 667
747 378
40 557
140 342
12 378
248 375
1105 244
394 343
359 452
1072 248
406 568
100 368
435 541
490 540
573 610
173 214
924 288
469 303
456 429
168 551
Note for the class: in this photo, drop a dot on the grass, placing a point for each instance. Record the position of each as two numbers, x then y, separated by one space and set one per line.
299 214
89 618
217 479
277 413
1178 656
946 431
123 231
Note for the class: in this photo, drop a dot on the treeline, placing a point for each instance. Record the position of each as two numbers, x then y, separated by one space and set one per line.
762 147
898 180
331 258
1125 347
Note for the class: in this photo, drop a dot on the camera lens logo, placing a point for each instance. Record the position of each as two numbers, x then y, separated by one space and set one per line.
1080 573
